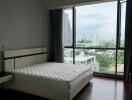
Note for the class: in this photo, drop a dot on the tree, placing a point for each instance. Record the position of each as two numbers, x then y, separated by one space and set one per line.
108 44
77 52
84 41
120 57
104 60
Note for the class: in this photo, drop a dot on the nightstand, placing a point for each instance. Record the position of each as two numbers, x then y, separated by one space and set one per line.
5 77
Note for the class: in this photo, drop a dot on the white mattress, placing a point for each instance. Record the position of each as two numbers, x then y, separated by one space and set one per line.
54 71
68 77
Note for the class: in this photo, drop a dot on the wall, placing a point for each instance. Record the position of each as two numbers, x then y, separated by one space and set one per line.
23 24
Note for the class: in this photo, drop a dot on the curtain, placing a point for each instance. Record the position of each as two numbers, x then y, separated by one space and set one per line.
128 42
56 37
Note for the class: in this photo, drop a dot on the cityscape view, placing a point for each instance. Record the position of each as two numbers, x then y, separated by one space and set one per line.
95 28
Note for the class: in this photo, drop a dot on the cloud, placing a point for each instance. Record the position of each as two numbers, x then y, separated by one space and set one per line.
97 18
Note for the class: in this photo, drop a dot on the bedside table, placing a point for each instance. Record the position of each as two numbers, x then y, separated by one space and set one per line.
5 77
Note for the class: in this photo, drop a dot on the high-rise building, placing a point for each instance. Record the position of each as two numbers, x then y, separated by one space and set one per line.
67 30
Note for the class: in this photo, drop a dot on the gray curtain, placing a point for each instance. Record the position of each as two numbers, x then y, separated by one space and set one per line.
128 42
56 37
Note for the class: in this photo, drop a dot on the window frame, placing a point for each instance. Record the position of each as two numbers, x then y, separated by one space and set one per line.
118 35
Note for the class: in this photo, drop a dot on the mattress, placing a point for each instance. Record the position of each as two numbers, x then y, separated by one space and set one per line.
57 81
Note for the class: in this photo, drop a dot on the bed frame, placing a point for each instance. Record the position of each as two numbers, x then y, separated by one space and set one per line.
15 59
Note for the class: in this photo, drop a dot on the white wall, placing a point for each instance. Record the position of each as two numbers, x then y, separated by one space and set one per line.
23 24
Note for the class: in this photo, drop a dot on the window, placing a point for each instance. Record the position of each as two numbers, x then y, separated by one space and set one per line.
123 15
68 55
96 25
104 59
67 27
120 62
97 34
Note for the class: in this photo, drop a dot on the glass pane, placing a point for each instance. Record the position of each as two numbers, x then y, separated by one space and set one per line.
123 17
104 60
96 25
84 56
120 62
68 55
67 27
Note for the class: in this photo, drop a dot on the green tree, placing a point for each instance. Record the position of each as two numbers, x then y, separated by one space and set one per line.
103 59
86 52
84 40
108 44
77 52
120 57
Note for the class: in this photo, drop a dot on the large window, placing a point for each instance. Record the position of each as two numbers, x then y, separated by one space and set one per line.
68 27
68 57
96 33
96 25
122 16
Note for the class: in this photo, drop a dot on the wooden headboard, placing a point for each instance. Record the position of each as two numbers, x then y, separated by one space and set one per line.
14 59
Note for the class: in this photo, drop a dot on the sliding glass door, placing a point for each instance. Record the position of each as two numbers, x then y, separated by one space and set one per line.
96 33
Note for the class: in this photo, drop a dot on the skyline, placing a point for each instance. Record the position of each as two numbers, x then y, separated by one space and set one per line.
97 19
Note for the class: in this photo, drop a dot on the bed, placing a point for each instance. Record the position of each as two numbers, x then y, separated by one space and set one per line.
34 75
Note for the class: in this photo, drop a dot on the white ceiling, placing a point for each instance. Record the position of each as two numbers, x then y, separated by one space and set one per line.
52 4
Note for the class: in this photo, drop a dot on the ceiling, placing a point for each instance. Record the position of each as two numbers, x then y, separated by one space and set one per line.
53 4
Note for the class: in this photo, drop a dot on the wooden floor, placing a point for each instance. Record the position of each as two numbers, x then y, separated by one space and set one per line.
105 89
98 89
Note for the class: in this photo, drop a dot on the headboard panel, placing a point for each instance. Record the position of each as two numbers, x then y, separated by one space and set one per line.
15 59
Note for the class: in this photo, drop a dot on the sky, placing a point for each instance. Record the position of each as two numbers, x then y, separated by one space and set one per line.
99 19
